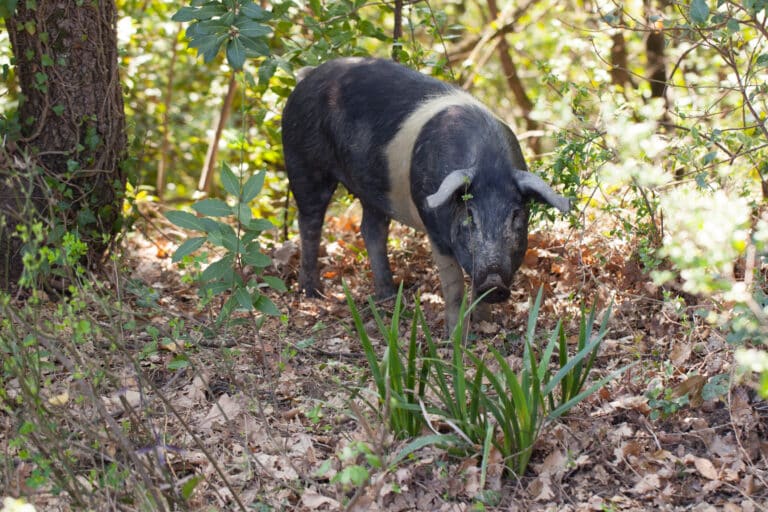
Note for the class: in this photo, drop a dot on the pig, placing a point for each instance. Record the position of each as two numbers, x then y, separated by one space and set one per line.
417 150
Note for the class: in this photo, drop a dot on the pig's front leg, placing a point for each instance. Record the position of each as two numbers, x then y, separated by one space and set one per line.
375 229
452 283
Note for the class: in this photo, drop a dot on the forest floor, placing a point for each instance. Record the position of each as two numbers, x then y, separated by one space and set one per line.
267 417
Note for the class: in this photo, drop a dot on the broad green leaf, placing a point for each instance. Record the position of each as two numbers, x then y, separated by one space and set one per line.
699 11
251 28
255 12
188 247
266 72
210 225
211 27
229 239
207 45
260 225
762 60
185 220
178 363
212 208
229 181
244 213
244 299
351 475
254 185
257 259
7 8
185 14
275 283
256 46
189 486
266 306
236 53
218 270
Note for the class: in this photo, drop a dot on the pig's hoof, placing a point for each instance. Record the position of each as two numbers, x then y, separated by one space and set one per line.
386 294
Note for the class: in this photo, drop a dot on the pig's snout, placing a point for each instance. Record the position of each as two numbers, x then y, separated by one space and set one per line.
497 289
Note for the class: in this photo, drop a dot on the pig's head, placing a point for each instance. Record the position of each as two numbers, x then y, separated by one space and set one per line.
489 223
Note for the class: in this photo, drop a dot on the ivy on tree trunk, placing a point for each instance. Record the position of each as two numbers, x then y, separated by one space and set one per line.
72 123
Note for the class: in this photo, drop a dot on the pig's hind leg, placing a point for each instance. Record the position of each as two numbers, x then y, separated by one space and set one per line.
312 189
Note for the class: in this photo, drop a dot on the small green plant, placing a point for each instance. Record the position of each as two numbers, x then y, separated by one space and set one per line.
522 403
400 378
240 244
479 401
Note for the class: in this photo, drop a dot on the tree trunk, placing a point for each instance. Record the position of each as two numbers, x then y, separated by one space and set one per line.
72 140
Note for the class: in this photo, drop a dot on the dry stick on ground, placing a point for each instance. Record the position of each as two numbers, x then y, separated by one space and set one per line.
213 145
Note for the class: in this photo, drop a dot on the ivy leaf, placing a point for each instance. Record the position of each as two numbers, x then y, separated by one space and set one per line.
699 11
7 7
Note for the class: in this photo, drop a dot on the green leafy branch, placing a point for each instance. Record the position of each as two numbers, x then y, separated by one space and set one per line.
241 248
238 24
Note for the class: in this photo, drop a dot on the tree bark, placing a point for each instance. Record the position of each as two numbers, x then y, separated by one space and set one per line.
654 50
212 154
72 138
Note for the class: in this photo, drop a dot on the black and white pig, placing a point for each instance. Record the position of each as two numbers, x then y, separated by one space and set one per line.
417 150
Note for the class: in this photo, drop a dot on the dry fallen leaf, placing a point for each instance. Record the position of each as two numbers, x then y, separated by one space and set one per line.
705 468
313 500
648 483
59 400
225 409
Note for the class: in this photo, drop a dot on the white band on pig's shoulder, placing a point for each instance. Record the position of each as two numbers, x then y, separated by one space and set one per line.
451 184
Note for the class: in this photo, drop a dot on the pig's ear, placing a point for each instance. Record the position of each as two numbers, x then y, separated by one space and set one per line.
534 187
453 182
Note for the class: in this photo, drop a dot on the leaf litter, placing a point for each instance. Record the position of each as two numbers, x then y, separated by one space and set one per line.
276 416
